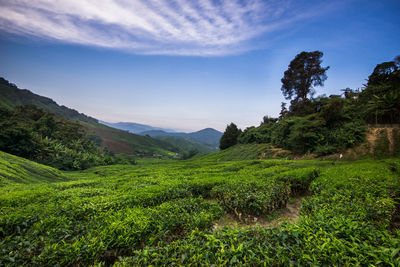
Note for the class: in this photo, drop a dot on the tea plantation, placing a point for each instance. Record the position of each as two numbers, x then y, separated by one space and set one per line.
163 213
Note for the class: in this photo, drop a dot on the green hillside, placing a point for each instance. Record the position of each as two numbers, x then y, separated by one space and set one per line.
116 140
248 151
14 170
124 142
202 212
11 96
186 145
208 136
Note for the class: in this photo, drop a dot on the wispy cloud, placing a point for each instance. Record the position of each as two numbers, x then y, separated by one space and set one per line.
167 27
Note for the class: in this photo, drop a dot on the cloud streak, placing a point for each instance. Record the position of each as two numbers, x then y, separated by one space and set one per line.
163 27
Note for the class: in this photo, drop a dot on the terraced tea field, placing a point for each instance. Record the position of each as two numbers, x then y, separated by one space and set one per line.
165 213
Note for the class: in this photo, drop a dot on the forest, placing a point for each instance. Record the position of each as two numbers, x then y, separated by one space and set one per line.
325 124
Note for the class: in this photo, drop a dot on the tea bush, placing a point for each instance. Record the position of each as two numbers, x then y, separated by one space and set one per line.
164 213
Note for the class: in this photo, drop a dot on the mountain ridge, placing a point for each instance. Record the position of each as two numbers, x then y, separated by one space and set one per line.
134 127
207 136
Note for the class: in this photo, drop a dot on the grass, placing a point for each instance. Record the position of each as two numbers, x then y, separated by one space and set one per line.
163 213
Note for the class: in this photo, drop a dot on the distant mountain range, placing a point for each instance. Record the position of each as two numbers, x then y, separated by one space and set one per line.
135 128
207 136
118 137
206 140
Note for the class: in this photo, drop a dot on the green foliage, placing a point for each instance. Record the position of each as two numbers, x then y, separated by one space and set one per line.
162 214
230 136
186 146
396 142
189 154
239 152
343 223
379 101
252 197
305 134
381 147
48 139
331 126
304 72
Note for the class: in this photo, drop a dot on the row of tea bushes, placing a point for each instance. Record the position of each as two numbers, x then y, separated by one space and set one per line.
252 197
345 223
55 241
163 214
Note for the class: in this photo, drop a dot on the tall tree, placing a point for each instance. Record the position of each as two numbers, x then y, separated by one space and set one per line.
382 93
303 74
230 136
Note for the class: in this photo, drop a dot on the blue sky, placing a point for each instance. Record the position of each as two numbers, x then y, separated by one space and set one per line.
187 64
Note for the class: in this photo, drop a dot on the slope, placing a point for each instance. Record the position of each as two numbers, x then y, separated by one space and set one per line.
11 96
116 140
186 145
120 141
248 151
14 169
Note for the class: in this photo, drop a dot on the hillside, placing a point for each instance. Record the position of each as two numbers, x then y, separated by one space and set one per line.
208 136
14 170
11 96
186 145
116 140
248 151
124 142
202 212
380 142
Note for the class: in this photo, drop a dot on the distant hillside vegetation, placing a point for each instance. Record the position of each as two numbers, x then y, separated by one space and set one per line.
186 145
14 169
117 141
124 142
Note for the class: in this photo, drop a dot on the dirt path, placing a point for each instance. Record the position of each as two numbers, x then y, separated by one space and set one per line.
291 214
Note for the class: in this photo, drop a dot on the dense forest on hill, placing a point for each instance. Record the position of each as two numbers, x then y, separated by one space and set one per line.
325 124
35 134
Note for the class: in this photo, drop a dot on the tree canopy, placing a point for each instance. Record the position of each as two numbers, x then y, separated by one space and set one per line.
230 136
303 74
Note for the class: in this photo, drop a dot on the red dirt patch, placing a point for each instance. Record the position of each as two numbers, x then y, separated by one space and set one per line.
118 147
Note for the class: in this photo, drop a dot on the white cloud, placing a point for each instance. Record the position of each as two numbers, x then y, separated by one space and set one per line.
167 27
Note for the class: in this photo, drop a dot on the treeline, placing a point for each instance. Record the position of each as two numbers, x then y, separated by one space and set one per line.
35 134
324 125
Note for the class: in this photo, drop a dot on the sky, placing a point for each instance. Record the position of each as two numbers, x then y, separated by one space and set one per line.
184 64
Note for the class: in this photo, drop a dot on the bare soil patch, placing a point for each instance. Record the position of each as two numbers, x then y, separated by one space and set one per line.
289 214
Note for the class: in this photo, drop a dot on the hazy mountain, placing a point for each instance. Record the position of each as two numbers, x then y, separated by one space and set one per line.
207 136
133 127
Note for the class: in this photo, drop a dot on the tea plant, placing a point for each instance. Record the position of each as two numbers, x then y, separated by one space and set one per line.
162 213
